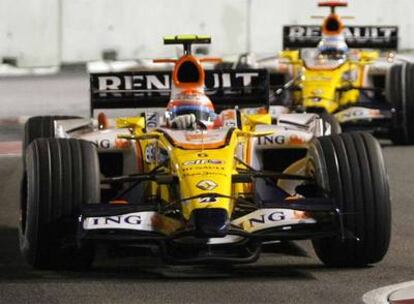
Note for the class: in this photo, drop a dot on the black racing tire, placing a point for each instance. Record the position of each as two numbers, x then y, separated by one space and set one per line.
400 93
351 168
41 127
332 121
61 175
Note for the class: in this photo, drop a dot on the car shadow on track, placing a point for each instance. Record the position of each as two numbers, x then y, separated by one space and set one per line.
14 269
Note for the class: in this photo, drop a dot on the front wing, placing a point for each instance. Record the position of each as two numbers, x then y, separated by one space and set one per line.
141 225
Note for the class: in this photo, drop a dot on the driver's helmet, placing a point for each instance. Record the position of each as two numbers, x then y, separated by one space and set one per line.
333 47
192 102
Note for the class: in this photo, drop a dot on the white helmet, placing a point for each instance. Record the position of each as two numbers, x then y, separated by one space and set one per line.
334 47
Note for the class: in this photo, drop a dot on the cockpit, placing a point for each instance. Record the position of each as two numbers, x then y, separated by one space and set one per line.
316 59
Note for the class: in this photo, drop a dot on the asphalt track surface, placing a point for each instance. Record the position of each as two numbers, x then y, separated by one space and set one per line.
276 278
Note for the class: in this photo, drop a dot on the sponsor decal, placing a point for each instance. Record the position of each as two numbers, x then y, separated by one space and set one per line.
143 221
358 113
228 239
153 88
317 92
316 99
355 36
193 97
296 140
292 139
134 82
204 168
319 77
103 143
164 224
106 143
200 136
206 185
229 118
195 136
275 216
121 143
374 113
230 124
151 120
271 140
150 153
351 75
141 83
203 162
134 221
269 218
300 214
229 114
207 200
204 173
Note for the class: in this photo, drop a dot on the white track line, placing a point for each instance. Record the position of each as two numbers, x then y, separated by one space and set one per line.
6 121
381 295
10 148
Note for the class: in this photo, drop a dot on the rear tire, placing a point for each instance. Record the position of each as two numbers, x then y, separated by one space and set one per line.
351 168
61 176
400 92
41 127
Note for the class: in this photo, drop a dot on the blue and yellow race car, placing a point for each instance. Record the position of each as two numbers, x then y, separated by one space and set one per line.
197 185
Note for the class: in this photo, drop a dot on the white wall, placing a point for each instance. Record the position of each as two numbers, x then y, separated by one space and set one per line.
29 31
47 32
135 28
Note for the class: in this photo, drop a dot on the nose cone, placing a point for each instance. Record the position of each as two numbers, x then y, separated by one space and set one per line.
210 222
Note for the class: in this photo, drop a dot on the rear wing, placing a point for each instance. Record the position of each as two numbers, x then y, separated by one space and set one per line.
363 37
151 89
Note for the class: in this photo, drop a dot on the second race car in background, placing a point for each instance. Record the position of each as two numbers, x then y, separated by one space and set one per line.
367 87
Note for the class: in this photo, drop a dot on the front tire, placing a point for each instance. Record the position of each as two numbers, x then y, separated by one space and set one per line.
61 175
351 168
400 92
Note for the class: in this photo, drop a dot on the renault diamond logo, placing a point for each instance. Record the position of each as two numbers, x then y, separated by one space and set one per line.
206 185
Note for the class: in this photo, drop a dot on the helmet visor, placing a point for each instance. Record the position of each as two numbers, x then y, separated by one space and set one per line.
201 113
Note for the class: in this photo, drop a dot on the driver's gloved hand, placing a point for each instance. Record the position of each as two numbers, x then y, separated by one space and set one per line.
184 122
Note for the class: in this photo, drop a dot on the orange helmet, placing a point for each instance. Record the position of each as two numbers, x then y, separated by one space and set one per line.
192 102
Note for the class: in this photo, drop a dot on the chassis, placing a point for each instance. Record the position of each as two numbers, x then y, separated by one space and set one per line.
199 196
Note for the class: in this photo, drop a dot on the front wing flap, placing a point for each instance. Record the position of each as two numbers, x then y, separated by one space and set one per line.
101 222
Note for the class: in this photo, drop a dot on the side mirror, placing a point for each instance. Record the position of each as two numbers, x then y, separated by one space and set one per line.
289 56
258 119
368 57
130 122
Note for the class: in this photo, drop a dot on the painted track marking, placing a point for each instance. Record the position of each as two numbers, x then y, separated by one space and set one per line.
382 295
10 148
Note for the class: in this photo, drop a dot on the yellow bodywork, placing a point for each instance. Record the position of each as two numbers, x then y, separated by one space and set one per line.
199 171
329 89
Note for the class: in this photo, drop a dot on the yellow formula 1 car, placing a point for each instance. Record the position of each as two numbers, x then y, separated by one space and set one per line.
363 89
212 193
